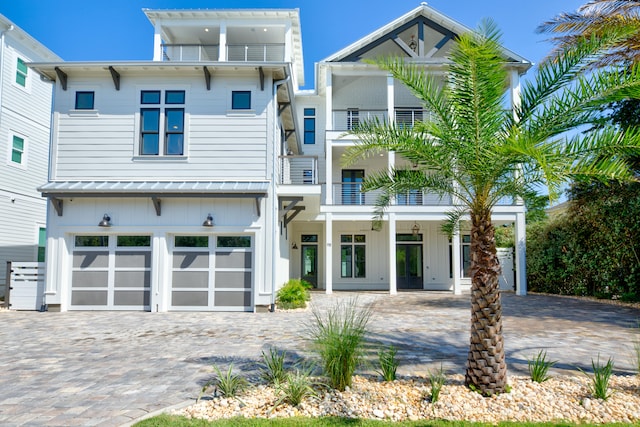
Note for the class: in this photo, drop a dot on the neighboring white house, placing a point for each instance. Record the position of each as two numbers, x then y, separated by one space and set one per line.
205 179
25 118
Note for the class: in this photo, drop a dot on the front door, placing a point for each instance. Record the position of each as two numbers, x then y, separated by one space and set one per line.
409 266
310 264
351 185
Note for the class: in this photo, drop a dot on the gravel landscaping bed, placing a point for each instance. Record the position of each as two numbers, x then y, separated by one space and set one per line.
562 398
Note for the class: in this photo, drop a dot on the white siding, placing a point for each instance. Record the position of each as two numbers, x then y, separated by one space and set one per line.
220 144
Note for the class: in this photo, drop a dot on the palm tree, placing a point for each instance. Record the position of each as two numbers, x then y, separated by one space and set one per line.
598 17
472 148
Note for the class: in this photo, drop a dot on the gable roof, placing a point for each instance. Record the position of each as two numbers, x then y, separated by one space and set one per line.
443 31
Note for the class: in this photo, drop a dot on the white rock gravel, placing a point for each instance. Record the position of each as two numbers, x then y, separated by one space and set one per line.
562 398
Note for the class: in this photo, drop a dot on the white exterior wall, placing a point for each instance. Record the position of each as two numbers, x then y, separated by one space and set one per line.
26 113
220 144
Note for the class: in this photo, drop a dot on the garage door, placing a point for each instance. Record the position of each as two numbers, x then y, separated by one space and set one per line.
111 273
212 273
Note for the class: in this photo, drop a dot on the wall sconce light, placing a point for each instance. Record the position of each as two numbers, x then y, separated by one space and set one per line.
106 221
208 222
294 246
415 229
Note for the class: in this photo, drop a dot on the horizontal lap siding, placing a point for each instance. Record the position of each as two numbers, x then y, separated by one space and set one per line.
219 144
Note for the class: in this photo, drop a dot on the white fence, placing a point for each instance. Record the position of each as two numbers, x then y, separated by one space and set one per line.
25 289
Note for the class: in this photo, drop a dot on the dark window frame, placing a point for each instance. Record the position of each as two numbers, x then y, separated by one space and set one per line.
80 102
238 100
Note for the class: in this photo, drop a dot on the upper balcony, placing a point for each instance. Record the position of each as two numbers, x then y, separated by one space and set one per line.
265 52
348 119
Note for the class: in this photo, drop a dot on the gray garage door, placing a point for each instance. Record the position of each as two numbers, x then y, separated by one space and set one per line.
111 273
212 273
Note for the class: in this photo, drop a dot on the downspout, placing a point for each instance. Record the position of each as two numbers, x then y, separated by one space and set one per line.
2 43
274 198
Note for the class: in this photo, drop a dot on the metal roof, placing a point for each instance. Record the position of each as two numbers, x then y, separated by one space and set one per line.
146 188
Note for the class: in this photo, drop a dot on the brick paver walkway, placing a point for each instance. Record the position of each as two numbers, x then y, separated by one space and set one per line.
111 368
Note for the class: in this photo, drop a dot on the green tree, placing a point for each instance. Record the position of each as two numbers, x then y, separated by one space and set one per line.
472 148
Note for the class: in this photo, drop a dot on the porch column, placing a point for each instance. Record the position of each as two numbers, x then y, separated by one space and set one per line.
390 99
157 41
328 176
222 49
521 256
457 265
393 282
328 256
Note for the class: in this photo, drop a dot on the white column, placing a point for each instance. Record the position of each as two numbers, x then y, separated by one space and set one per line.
157 41
222 49
390 99
328 256
457 264
521 254
514 80
328 125
288 48
393 282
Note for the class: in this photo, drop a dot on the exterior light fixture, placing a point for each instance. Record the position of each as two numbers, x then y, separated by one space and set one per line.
208 222
415 229
412 43
106 221
294 246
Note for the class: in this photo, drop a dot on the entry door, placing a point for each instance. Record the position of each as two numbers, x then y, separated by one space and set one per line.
351 185
310 264
409 266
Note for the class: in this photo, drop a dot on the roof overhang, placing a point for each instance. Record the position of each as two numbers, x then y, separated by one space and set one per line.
156 190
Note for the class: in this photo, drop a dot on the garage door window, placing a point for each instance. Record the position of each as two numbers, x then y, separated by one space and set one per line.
234 242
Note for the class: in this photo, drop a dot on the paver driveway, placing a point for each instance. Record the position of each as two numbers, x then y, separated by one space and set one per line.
110 368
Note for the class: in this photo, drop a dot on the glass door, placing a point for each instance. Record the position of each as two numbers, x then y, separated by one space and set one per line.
409 266
310 264
351 185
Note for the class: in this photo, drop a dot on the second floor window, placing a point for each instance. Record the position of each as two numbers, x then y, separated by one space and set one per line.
162 123
21 73
309 125
17 150
84 100
241 100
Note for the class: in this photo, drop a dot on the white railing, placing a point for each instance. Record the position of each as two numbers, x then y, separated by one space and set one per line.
349 193
190 52
349 119
256 52
407 117
298 170
25 290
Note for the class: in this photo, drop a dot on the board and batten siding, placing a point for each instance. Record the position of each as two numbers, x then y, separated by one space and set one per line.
220 144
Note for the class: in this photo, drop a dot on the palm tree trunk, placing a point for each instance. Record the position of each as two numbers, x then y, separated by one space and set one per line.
486 366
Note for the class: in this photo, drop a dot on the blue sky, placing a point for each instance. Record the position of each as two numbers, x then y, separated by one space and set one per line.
95 30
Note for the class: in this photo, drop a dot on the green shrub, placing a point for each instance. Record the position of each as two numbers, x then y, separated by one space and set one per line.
437 379
295 387
600 380
273 371
228 383
294 294
388 363
338 338
539 367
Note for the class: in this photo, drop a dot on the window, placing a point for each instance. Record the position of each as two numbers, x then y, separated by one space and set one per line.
42 241
353 118
309 125
192 241
166 140
84 100
465 256
92 241
233 242
21 73
241 100
17 150
352 255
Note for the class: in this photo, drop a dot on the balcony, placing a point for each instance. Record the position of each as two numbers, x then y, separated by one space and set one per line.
298 170
346 120
349 194
190 52
234 52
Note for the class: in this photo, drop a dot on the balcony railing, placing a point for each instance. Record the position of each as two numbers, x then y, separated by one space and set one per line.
211 52
298 170
349 193
344 120
190 52
256 52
